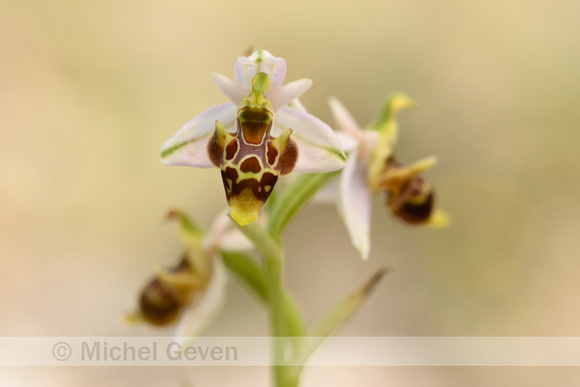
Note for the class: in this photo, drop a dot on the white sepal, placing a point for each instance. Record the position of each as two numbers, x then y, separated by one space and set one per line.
230 88
355 203
319 148
205 306
260 61
287 93
188 147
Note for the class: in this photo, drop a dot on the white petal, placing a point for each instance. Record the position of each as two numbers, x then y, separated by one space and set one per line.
328 194
288 92
205 307
188 146
230 88
319 148
344 119
296 104
260 61
355 203
348 143
224 236
221 223
235 240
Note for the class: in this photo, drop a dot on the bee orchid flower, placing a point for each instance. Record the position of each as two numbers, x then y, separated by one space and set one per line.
257 136
191 293
372 168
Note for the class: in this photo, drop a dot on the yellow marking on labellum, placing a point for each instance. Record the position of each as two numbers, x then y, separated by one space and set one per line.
245 207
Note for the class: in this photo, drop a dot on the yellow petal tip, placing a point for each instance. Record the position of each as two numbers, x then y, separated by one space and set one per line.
439 219
243 218
245 207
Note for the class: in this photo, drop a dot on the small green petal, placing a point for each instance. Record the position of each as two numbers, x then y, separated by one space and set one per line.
260 83
395 103
187 225
256 99
386 125
407 172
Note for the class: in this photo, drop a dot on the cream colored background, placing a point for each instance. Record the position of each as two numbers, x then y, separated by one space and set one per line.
89 90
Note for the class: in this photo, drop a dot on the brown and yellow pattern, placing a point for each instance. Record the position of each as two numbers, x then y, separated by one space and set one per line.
409 196
165 296
252 159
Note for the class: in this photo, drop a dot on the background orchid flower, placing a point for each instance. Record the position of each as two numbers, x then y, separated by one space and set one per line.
371 168
192 292
318 148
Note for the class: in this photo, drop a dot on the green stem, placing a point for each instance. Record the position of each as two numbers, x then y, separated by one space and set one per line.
281 305
247 271
286 318
295 197
273 268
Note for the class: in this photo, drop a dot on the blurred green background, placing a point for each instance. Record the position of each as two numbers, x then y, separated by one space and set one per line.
89 90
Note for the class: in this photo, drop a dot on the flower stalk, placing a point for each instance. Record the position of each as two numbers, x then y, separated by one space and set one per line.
284 318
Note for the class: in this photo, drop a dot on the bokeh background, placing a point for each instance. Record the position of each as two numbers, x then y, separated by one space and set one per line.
89 90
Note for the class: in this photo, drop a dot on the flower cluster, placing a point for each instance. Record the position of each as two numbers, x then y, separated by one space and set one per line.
263 133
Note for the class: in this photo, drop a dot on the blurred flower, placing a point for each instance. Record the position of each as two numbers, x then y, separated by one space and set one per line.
193 290
371 168
249 138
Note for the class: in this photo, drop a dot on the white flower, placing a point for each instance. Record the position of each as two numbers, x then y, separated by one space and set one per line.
257 136
320 150
371 168
192 292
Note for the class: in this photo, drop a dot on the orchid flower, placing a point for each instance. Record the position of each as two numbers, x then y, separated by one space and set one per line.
192 291
257 136
371 168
